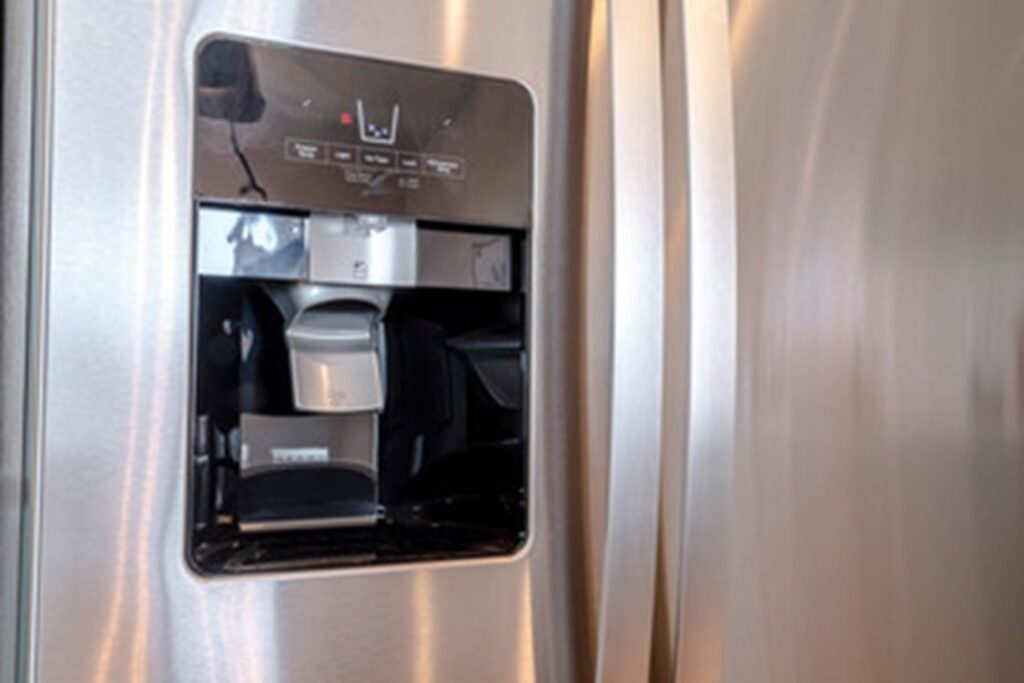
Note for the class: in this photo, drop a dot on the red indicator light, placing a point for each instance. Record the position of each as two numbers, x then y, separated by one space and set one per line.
346 118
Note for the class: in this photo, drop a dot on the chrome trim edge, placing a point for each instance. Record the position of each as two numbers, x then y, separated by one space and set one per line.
17 62
595 320
677 348
39 219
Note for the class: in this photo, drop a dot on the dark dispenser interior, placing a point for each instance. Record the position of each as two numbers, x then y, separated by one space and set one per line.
360 361
448 475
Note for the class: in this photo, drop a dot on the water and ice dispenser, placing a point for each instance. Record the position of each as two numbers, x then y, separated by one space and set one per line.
360 352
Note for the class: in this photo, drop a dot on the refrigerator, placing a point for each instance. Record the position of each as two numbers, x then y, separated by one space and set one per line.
615 340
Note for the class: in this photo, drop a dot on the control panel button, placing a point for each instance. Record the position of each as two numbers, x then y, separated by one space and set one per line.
444 166
343 154
377 159
409 162
309 151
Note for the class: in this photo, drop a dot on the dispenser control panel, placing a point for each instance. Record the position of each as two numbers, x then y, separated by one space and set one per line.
287 127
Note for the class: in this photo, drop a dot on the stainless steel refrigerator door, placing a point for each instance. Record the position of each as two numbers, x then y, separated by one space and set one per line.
879 482
112 597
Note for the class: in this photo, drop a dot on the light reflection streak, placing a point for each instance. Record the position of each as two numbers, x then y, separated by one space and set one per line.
454 13
206 634
238 619
251 611
232 665
822 100
139 275
744 16
423 645
154 313
168 224
526 671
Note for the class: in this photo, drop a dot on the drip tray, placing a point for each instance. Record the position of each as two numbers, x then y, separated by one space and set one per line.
307 472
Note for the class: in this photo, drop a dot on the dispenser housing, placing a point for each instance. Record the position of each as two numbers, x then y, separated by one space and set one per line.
360 366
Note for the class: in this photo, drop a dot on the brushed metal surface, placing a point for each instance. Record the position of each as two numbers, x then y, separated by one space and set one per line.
711 393
700 353
630 542
348 249
259 244
116 600
596 317
880 460
15 236
677 358
362 249
41 126
464 260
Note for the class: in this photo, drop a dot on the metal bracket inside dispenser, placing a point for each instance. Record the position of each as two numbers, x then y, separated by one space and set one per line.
350 249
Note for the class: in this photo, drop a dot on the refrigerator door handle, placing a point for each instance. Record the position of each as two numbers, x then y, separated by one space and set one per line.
703 273
628 576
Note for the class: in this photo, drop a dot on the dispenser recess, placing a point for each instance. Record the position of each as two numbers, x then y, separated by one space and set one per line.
360 353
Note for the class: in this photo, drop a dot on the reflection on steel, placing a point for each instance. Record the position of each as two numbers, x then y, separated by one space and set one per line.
251 244
26 69
710 398
627 591
349 249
